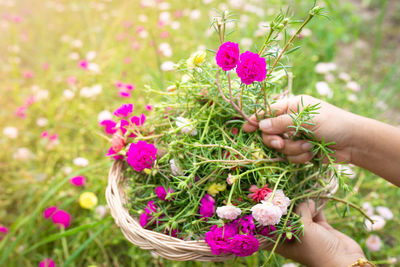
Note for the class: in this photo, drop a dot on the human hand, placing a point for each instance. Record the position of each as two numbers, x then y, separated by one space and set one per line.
331 123
321 245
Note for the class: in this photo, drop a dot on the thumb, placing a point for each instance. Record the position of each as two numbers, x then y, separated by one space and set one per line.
277 125
305 210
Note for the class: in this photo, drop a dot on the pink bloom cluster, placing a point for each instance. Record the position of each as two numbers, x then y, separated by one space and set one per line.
22 110
207 206
227 239
78 180
259 194
250 67
47 263
141 155
162 193
58 216
146 217
124 89
3 231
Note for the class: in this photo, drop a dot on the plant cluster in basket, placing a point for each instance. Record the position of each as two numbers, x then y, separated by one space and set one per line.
193 174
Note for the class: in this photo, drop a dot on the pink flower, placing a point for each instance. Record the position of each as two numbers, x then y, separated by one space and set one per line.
219 238
47 263
125 110
207 206
47 213
45 134
84 64
30 100
61 218
113 154
119 84
53 137
71 80
149 107
228 56
379 223
251 67
124 94
280 200
117 142
146 217
21 111
3 231
129 86
78 181
138 121
385 212
266 213
228 212
246 224
28 74
373 243
141 155
259 194
109 126
162 193
267 231
244 245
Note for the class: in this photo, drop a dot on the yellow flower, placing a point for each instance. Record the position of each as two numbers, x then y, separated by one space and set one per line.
87 200
215 188
147 171
196 58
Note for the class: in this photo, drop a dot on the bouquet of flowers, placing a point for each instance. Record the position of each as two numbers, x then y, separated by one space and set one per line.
188 183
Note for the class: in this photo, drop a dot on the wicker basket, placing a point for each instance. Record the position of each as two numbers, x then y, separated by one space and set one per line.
160 244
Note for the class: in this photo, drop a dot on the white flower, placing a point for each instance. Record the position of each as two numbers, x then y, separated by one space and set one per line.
167 66
324 89
104 115
175 168
94 67
373 243
22 153
68 94
228 212
344 76
347 170
81 162
324 67
353 86
185 126
236 3
101 211
368 208
266 213
379 223
246 42
280 200
329 77
165 17
385 212
91 55
41 122
143 34
41 94
290 265
67 170
90 92
77 43
74 56
175 25
10 132
195 14
165 49
143 18
352 98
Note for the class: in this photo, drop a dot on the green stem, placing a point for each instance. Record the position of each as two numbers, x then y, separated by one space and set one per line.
64 244
276 185
231 193
266 41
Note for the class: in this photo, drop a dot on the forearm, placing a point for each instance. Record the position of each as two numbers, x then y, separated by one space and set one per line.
376 147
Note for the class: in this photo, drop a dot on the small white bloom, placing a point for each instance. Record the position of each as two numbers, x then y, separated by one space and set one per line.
23 153
167 66
385 212
246 42
104 115
67 170
195 14
352 98
164 6
165 17
143 18
93 67
228 212
373 243
175 168
379 223
175 25
185 126
353 86
325 67
74 56
290 265
329 77
165 49
344 76
77 43
41 94
10 132
101 211
91 55
68 94
266 213
368 208
41 122
143 34
323 89
81 162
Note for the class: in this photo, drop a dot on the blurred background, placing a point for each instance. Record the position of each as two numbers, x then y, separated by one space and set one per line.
66 64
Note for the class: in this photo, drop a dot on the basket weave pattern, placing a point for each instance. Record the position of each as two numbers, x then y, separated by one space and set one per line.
160 244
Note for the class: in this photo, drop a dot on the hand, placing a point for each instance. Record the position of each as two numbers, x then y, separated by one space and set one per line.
331 123
321 244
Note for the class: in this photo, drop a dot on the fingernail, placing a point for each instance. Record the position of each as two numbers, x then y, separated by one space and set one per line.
276 144
265 124
306 146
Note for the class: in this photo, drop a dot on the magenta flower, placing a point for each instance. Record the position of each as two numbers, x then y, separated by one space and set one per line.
47 213
113 154
61 218
125 110
47 263
138 121
219 238
149 107
129 86
3 231
246 224
141 155
251 67
146 217
109 126
84 64
78 181
207 206
228 56
244 245
124 94
71 80
162 193
267 231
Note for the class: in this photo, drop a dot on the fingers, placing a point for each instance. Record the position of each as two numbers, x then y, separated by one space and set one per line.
321 220
302 158
286 146
305 210
277 125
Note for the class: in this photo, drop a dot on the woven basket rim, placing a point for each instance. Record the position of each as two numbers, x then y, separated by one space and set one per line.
158 243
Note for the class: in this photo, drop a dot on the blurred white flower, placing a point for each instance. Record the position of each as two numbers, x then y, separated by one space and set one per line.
367 207
353 86
81 162
164 6
68 94
41 94
22 153
104 115
90 92
91 55
65 38
77 43
306 32
352 98
246 42
236 3
187 128
291 264
347 170
186 78
41 122
165 17
195 14
392 260
175 25
74 56
325 67
175 168
101 211
373 243
94 67
323 89
167 66
385 212
165 49
379 223
344 76
329 77
143 18
143 34
206 2
67 170
10 132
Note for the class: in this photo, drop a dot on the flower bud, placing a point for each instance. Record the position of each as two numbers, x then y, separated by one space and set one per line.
315 10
